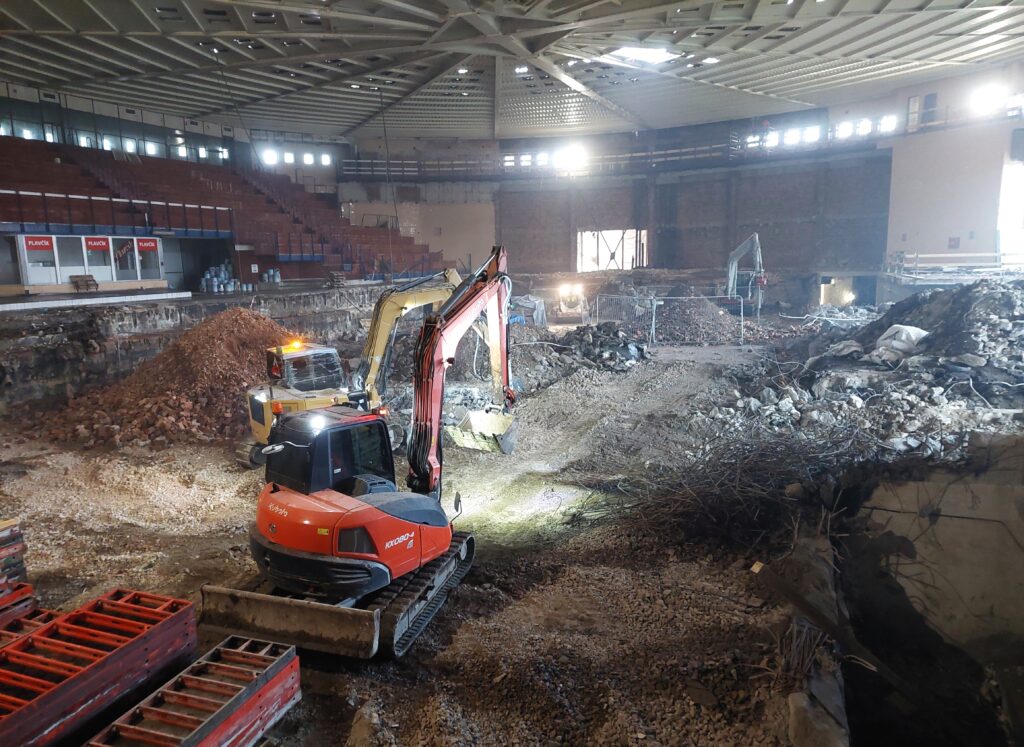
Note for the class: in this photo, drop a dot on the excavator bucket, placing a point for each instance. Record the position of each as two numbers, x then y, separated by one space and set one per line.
485 431
343 631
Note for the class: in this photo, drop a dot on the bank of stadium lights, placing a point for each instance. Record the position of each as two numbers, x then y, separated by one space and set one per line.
571 158
522 69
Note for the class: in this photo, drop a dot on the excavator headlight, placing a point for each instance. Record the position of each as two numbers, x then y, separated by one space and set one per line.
357 540
383 410
578 289
564 289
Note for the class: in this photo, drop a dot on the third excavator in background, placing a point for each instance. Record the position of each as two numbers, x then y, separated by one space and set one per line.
351 564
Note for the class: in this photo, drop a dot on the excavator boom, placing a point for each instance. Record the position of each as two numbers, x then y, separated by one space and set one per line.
487 290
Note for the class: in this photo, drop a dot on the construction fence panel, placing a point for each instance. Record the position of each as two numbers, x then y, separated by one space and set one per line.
635 314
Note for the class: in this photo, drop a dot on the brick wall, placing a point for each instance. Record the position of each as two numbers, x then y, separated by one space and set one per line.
828 213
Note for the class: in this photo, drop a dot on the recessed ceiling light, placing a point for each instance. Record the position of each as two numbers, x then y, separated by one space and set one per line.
463 70
522 69
710 60
354 85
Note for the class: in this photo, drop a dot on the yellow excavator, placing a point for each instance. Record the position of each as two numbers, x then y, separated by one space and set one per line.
307 376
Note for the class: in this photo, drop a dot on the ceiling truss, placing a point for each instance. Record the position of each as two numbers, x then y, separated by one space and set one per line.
504 67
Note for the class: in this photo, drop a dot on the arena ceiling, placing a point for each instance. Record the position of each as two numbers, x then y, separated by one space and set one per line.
472 68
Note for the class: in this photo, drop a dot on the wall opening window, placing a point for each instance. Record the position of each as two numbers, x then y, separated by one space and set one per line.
307 158
611 249
289 157
325 159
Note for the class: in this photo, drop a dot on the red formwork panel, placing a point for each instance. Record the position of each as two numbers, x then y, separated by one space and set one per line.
229 697
31 621
55 678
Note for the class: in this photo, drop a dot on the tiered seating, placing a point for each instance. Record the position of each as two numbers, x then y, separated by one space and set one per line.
299 232
58 191
367 248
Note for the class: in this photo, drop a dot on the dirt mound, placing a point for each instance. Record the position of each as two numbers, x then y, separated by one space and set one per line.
191 391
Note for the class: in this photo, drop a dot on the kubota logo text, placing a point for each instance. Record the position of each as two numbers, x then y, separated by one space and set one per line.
280 510
399 540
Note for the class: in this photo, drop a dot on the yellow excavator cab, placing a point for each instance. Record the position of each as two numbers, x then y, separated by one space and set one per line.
308 376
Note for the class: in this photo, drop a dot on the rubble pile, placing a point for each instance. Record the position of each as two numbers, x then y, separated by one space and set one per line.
695 321
934 367
539 360
191 391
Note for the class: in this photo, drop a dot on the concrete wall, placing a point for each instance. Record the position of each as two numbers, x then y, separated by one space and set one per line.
946 191
54 355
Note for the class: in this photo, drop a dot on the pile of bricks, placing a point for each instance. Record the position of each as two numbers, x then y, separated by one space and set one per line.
192 391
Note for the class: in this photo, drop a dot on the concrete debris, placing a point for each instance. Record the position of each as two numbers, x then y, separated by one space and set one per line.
941 364
695 321
539 360
192 391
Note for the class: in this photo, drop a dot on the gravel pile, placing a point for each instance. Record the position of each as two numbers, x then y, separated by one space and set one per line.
191 391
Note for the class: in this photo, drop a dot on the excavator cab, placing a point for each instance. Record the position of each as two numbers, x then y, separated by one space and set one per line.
305 367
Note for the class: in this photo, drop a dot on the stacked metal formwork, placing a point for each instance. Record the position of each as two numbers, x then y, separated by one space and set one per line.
65 671
228 698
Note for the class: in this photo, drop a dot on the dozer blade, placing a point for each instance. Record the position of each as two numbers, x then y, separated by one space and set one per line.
302 623
485 431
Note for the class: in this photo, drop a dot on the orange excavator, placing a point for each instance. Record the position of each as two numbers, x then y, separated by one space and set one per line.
349 563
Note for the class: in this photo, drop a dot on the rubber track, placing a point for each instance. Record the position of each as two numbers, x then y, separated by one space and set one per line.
402 594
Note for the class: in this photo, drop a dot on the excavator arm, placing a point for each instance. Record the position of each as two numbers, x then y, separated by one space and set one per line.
487 290
391 306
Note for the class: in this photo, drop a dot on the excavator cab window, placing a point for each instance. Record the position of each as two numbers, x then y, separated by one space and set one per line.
312 372
362 449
